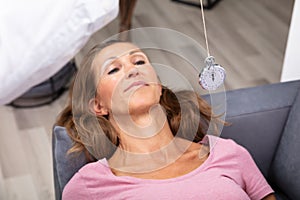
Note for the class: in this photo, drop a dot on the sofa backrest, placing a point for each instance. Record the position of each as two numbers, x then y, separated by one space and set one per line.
258 116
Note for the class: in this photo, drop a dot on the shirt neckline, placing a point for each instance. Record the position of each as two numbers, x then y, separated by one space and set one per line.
208 138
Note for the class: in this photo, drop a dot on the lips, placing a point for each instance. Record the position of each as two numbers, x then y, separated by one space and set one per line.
136 83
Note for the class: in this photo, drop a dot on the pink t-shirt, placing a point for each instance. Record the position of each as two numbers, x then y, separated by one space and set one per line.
228 173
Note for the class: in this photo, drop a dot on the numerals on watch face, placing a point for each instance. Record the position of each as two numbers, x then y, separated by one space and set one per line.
212 77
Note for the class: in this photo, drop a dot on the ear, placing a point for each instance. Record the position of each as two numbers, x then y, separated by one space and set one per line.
159 85
97 107
160 89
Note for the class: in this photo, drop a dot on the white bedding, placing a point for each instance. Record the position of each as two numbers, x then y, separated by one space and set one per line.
38 37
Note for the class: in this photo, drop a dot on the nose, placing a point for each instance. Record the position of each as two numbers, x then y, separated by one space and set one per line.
132 72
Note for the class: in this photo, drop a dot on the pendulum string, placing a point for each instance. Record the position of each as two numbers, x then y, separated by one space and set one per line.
204 28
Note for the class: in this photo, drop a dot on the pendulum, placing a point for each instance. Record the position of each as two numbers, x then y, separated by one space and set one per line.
213 75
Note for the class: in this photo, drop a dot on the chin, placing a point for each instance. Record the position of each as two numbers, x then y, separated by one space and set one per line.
142 103
143 99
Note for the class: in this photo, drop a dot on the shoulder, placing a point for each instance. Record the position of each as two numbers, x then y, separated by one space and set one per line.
225 145
228 149
89 174
237 163
98 166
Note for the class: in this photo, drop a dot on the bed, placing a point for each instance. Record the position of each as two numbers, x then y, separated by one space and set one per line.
37 38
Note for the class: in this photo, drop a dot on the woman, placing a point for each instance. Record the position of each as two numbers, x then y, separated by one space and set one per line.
151 142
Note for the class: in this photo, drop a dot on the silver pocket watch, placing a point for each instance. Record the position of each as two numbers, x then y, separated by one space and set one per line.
212 76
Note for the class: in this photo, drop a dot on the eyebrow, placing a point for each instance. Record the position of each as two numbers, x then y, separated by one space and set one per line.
135 51
104 66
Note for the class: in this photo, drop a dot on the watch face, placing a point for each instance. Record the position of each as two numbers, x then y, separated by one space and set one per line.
212 77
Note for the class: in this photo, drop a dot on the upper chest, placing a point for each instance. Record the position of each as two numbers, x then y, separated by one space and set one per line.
187 163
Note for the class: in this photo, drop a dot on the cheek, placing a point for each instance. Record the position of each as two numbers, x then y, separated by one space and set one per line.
152 74
105 90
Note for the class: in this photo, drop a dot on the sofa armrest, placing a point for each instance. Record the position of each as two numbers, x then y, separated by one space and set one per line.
64 165
285 168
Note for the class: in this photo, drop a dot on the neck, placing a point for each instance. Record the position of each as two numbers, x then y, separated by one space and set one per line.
133 144
143 132
136 155
146 148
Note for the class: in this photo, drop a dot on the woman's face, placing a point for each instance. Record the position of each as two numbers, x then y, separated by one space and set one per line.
126 81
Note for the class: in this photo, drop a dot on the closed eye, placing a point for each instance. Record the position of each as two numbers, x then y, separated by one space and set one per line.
140 62
114 70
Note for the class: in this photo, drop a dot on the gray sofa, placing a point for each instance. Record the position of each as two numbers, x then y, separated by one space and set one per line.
265 120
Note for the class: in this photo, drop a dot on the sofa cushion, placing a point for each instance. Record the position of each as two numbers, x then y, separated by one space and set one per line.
285 169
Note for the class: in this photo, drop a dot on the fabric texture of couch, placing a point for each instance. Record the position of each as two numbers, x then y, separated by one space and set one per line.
265 120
